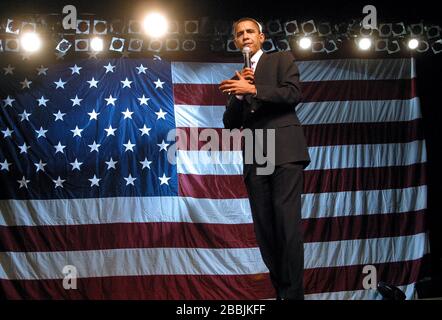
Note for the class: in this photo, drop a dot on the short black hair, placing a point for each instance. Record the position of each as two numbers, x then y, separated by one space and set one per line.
246 19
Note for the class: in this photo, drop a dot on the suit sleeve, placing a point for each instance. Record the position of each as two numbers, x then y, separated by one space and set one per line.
287 90
232 117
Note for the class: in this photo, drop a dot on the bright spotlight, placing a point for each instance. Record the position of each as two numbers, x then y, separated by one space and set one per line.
155 25
305 43
413 44
97 44
364 43
30 42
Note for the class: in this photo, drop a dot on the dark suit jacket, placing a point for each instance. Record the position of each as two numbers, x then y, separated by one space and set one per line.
278 93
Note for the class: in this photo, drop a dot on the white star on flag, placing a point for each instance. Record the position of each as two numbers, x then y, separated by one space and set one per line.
144 130
23 182
41 132
126 83
93 115
76 131
129 146
26 84
110 100
95 181
24 148
143 100
146 163
111 164
158 84
8 101
26 56
42 101
93 83
94 146
161 114
59 115
164 179
130 180
109 68
24 116
141 69
76 69
110 131
59 84
59 147
5 165
127 114
76 165
76 101
42 70
163 145
9 70
40 166
7 132
59 182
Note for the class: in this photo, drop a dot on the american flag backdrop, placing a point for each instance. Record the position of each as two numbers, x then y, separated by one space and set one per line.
86 182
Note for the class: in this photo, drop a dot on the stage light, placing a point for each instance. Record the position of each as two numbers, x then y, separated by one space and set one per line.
12 26
63 46
155 45
135 45
191 26
318 46
230 46
324 29
268 45
416 29
83 26
117 44
433 32
28 27
81 45
217 44
1 45
188 45
273 27
308 27
385 29
291 27
365 32
172 44
423 46
100 27
437 46
97 44
331 46
155 25
398 29
393 47
12 45
283 45
174 27
116 26
342 28
381 45
134 27
364 43
413 44
305 43
30 42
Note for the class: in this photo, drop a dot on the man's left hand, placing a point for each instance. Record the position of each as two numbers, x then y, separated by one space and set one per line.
238 87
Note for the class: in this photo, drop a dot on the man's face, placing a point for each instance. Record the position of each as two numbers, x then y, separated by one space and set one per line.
247 35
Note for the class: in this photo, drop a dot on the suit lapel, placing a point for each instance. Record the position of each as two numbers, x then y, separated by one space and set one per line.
259 74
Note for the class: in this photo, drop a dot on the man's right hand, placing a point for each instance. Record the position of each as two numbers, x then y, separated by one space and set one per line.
248 74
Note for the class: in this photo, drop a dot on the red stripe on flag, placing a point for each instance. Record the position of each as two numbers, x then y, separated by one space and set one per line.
315 91
315 181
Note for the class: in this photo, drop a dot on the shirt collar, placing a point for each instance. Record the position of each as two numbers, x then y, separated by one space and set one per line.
255 58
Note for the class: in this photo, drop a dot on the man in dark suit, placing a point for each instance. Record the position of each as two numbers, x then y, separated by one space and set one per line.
264 97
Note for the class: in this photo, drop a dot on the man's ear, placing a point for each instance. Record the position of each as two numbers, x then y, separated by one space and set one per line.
262 37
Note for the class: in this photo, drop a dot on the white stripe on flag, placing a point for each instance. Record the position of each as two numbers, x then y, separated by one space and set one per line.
186 209
317 70
327 112
365 251
131 262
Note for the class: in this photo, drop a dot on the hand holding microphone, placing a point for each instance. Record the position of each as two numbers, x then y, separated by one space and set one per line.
247 72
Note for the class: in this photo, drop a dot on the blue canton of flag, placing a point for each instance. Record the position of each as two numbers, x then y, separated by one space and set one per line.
87 129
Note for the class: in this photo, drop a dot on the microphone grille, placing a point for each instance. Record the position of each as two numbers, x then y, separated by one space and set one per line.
246 50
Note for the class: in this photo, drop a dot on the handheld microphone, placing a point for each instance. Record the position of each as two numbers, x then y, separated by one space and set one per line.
246 54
